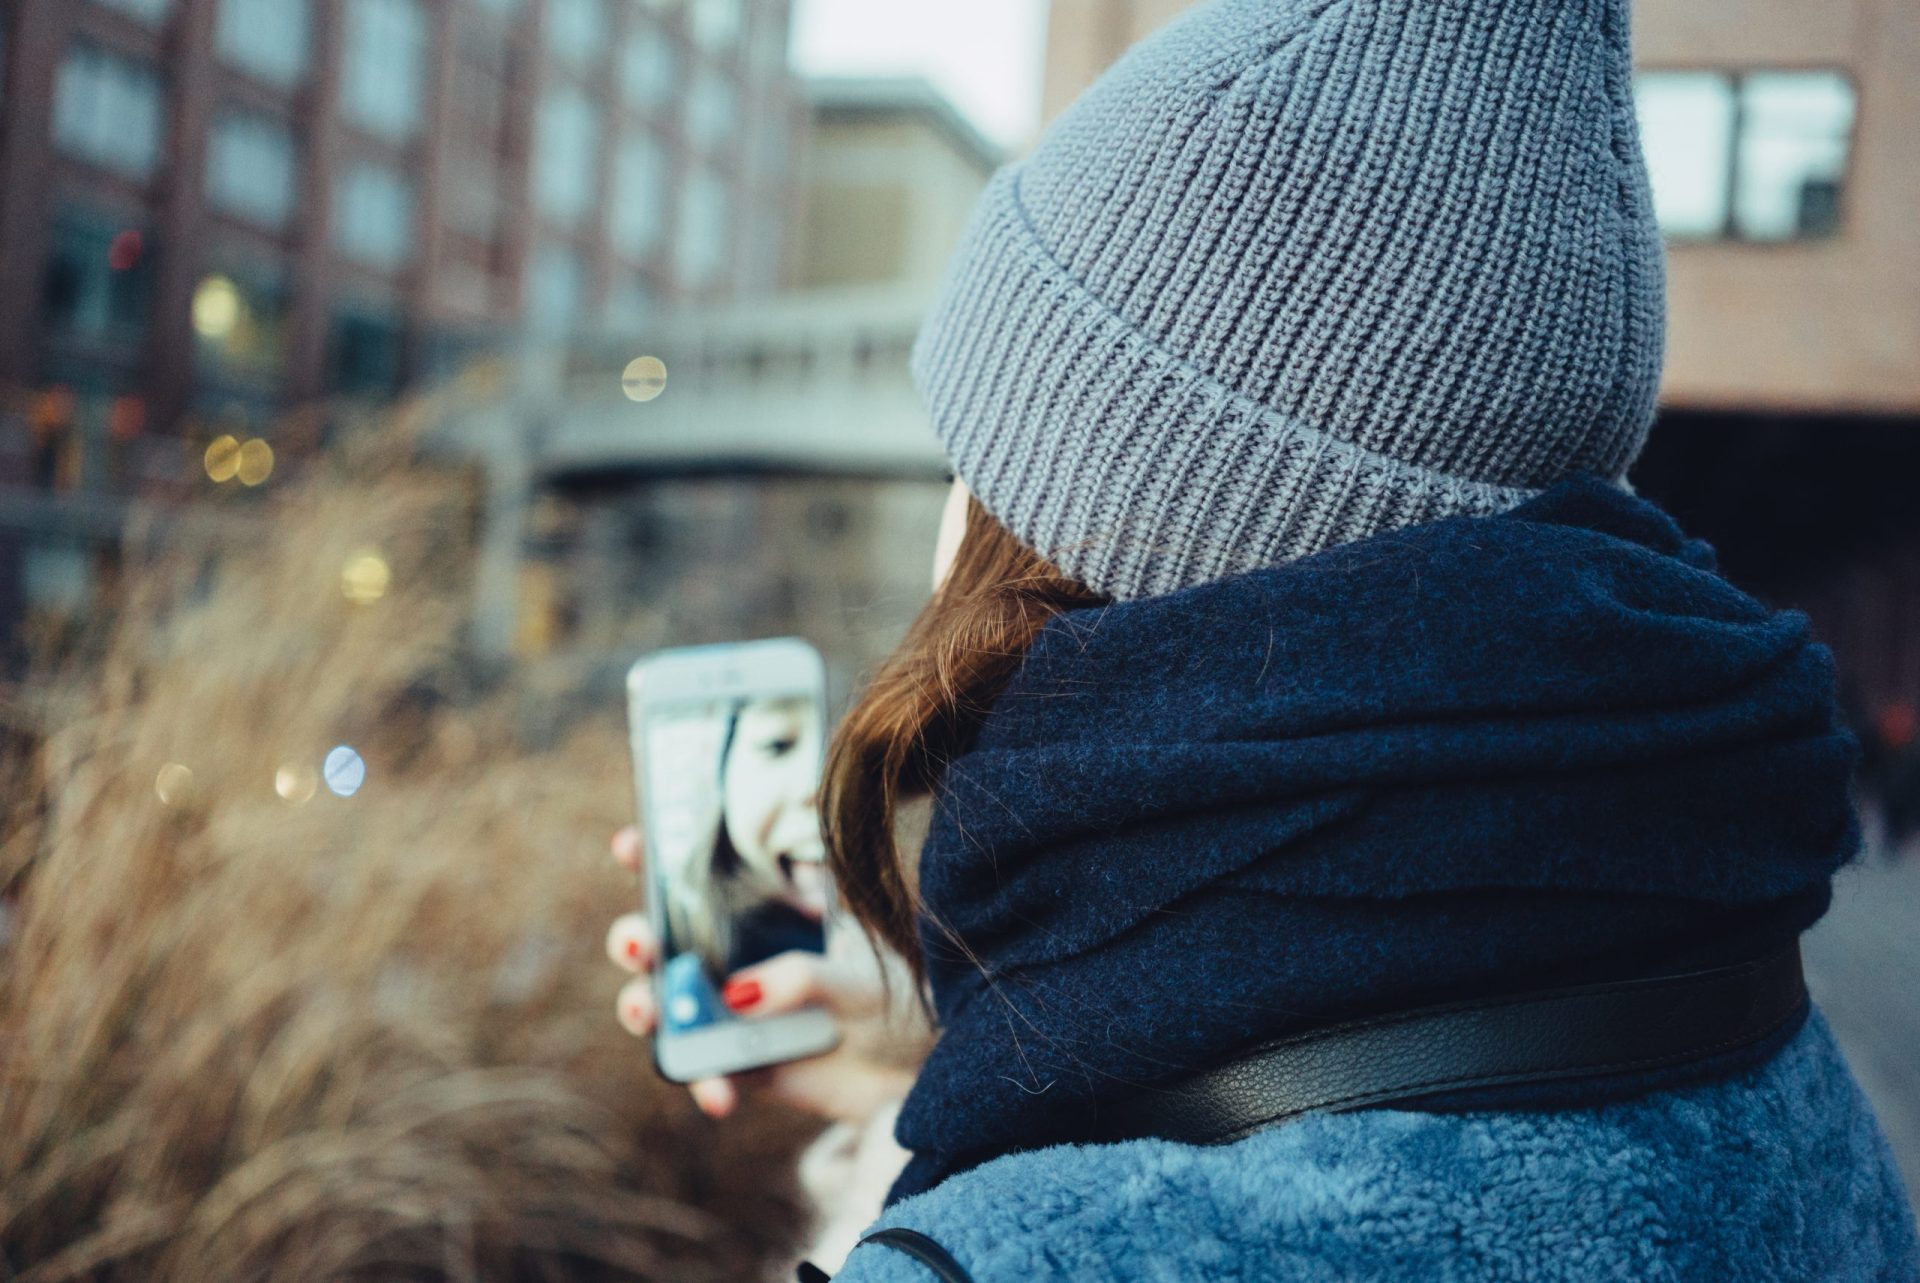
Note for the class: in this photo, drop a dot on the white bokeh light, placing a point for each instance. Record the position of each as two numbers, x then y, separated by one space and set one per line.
344 771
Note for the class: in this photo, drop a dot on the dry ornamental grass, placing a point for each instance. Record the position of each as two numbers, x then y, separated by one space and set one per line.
248 1036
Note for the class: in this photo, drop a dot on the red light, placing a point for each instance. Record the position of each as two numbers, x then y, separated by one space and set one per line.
125 252
127 418
1898 725
53 408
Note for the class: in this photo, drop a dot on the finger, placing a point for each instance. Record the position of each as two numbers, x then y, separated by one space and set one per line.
631 943
788 982
716 1097
628 849
799 978
635 1007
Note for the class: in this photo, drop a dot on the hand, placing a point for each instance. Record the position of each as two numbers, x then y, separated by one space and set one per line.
880 1049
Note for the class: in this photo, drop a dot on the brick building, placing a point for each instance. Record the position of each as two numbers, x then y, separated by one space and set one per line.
217 212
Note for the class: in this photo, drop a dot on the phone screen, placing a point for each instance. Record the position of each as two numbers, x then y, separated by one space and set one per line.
735 848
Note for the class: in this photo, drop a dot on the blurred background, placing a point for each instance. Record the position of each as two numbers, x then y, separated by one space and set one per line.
378 378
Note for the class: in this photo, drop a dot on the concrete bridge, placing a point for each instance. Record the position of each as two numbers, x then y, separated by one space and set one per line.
811 382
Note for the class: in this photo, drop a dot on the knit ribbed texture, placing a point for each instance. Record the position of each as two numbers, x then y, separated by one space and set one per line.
1296 272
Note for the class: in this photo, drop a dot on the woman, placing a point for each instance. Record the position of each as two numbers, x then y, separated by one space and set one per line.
1309 699
753 888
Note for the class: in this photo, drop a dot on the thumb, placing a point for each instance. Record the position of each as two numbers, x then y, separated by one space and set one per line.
790 982
781 984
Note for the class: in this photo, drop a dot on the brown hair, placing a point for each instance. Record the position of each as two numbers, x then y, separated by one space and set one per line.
924 707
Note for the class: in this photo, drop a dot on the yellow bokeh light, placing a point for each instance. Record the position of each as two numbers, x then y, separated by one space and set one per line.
644 378
255 462
296 782
217 305
173 783
365 577
222 458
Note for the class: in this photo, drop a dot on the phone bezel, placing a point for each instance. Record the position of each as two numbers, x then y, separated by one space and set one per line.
729 670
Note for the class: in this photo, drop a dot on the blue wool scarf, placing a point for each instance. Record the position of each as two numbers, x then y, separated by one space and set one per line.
1476 756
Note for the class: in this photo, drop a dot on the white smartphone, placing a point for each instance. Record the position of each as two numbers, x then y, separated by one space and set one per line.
727 748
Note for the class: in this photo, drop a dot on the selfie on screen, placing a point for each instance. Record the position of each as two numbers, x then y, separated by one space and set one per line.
738 846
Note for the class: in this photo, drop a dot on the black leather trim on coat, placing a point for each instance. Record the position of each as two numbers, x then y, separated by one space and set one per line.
1543 1036
1582 1031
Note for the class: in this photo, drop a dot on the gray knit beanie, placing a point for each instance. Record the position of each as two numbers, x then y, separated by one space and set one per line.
1296 272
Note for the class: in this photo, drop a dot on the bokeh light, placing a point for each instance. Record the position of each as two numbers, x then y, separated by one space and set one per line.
344 771
53 409
296 782
222 457
126 250
173 783
127 418
365 577
255 462
216 308
644 378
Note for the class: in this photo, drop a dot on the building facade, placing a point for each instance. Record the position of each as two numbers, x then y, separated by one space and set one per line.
890 174
217 214
1781 142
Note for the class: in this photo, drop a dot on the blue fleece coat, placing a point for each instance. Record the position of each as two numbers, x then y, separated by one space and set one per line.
1778 1175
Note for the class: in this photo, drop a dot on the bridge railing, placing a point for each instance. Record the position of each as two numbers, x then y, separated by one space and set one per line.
817 382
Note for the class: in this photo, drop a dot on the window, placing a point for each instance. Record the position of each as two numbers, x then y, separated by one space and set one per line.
649 69
154 11
270 39
1758 157
1795 128
566 148
99 278
556 284
710 110
715 24
576 29
107 110
384 77
702 249
639 185
363 353
251 170
373 216
56 577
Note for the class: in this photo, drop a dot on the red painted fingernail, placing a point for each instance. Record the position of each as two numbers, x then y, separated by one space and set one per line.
633 950
633 1014
741 994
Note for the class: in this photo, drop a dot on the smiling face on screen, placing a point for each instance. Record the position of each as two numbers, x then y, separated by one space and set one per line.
771 782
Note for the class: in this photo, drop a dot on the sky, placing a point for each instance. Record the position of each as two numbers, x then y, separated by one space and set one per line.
985 55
